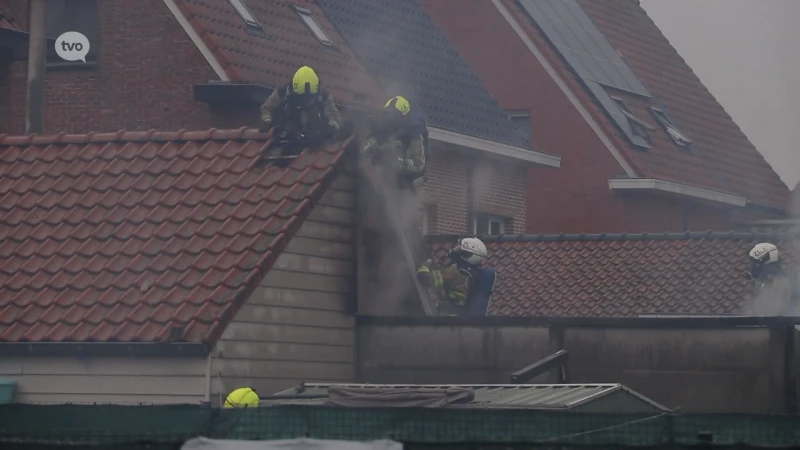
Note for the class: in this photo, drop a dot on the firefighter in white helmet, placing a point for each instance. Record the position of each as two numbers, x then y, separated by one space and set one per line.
465 285
776 290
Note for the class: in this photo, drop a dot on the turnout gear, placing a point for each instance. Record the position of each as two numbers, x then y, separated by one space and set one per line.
776 292
242 398
463 287
396 140
301 106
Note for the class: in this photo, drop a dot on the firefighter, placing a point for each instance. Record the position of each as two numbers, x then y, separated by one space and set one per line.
776 291
301 107
242 398
465 285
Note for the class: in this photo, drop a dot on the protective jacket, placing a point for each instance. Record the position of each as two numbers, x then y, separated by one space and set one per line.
458 289
307 114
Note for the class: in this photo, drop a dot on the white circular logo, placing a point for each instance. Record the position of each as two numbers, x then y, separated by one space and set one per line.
72 46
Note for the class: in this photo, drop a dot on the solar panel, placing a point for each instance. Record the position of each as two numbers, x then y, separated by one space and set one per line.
585 48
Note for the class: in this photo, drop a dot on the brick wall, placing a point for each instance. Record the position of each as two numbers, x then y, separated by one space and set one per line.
576 197
142 80
499 189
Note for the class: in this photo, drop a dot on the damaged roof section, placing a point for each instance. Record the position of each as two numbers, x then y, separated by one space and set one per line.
568 397
625 275
406 53
144 236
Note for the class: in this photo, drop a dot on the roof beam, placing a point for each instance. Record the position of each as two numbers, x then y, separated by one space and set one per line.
494 148
653 184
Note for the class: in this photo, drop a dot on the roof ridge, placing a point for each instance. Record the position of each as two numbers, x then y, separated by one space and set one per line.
243 133
666 236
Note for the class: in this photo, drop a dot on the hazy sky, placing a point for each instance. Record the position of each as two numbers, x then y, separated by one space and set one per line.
747 53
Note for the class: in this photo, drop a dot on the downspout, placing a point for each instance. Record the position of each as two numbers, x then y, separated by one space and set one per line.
207 396
471 195
37 53
687 211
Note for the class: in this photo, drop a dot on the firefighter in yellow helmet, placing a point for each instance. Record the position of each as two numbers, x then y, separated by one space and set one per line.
242 398
302 106
395 147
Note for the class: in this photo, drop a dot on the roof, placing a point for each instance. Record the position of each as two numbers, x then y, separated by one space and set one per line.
724 158
248 57
143 236
7 21
403 49
529 396
624 275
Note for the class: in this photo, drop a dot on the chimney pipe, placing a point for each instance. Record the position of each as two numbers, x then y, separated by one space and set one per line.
37 52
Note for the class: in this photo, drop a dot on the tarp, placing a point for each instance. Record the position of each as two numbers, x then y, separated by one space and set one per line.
289 444
413 398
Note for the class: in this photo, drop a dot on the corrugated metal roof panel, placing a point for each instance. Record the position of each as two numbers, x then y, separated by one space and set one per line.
536 396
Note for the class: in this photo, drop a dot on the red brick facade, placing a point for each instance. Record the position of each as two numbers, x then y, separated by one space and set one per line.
142 80
575 198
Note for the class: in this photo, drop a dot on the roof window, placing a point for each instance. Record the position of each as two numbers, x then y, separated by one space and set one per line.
639 128
672 130
245 13
313 25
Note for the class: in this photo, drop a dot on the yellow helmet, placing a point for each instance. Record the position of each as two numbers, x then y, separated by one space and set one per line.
399 103
305 81
241 398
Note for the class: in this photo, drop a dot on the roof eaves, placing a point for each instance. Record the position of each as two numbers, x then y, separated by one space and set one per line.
494 148
654 184
103 349
688 235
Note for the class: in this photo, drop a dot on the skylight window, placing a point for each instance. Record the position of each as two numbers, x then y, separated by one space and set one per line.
245 14
313 25
640 128
672 130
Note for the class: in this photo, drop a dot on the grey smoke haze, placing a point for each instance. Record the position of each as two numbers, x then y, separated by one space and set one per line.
746 53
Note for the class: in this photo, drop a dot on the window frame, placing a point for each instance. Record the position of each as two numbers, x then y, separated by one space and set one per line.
52 61
244 13
490 218
308 19
675 134
639 127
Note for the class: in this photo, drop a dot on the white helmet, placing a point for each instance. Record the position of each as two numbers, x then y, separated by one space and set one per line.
472 251
762 254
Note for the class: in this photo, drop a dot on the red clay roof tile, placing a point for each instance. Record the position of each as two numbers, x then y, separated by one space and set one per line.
7 22
734 163
618 275
179 240
271 61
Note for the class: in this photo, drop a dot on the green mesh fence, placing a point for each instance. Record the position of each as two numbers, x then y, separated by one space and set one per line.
157 427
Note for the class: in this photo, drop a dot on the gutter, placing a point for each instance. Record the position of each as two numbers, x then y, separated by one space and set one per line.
653 184
496 149
104 349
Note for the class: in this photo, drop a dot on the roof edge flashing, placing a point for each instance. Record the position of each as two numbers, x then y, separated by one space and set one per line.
494 148
654 184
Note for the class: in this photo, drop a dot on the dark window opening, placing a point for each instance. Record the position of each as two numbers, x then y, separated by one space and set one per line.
522 119
639 128
313 26
672 130
74 15
488 224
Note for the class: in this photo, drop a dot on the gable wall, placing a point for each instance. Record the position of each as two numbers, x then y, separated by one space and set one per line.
142 80
574 198
298 325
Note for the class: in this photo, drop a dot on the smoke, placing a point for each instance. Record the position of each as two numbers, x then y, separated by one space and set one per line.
395 215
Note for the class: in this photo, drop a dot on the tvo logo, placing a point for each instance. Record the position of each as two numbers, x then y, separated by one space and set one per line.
72 46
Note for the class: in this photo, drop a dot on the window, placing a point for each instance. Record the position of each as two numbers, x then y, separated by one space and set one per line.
638 127
80 16
488 224
674 133
311 23
246 15
522 119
